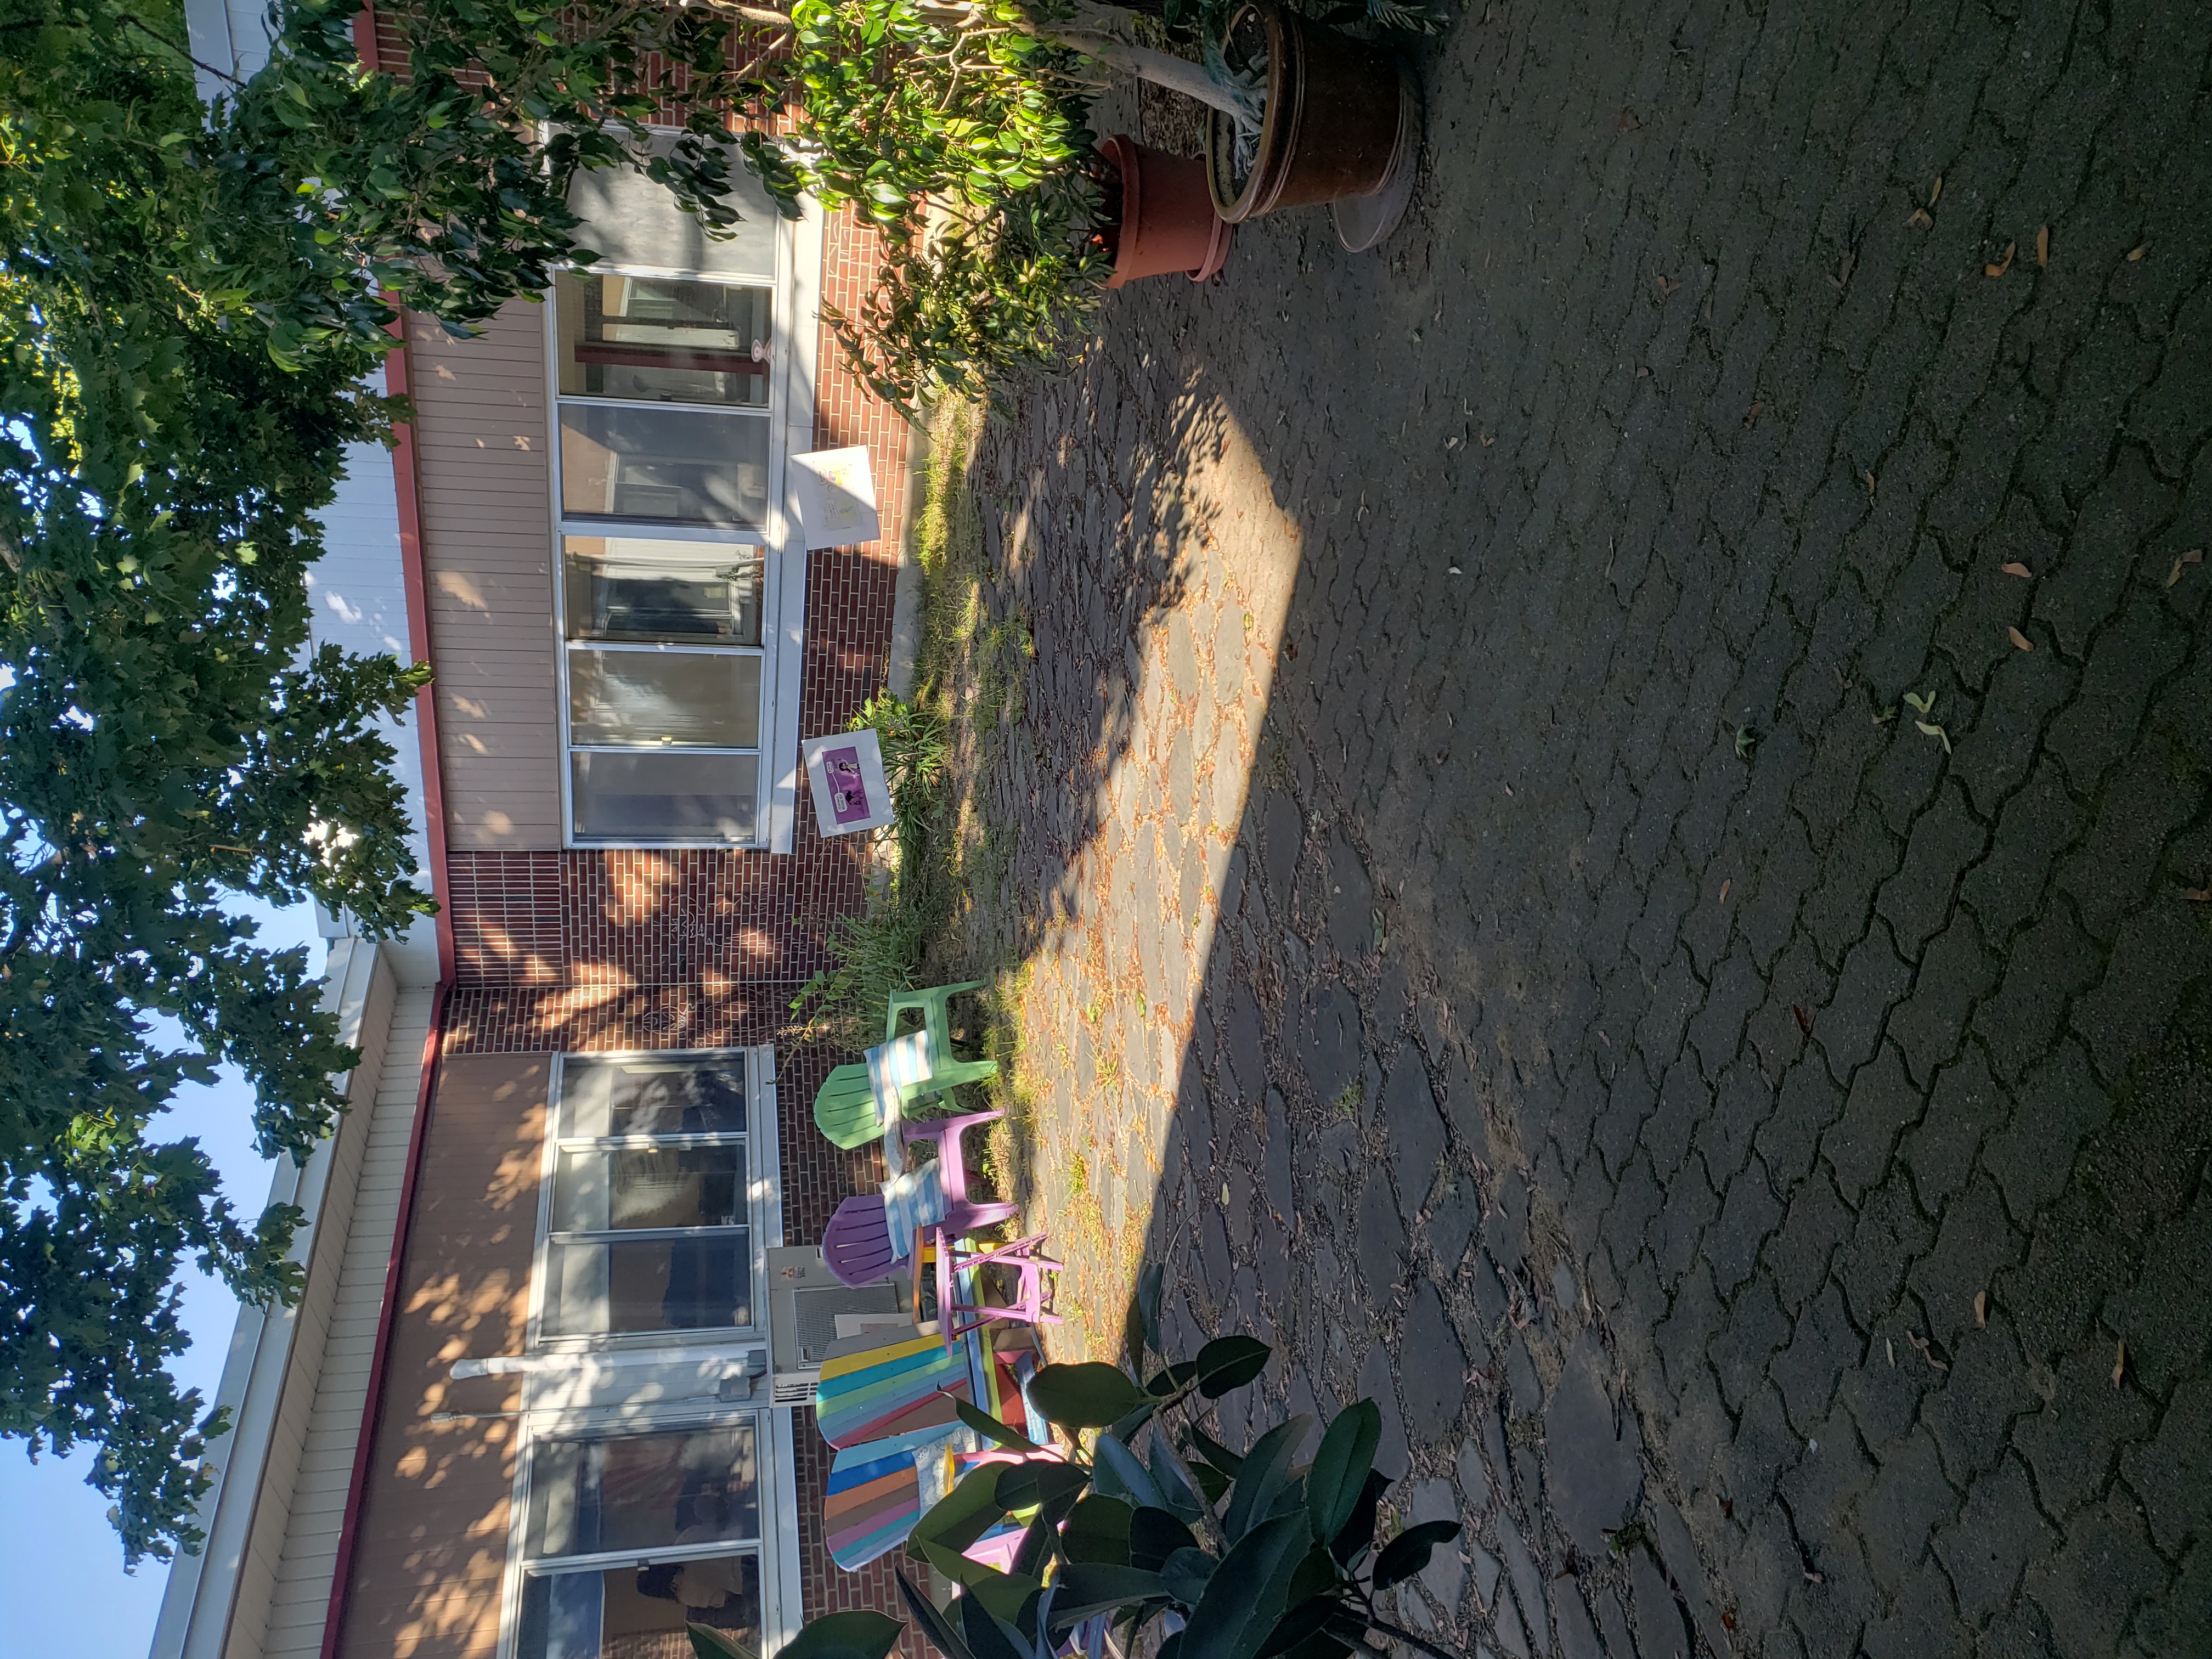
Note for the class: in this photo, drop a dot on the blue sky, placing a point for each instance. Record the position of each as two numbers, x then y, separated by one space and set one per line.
61 1567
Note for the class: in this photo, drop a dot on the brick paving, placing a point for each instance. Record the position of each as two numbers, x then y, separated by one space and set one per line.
1495 924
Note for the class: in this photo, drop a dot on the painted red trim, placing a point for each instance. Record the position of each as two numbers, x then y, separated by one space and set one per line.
364 37
386 1318
396 381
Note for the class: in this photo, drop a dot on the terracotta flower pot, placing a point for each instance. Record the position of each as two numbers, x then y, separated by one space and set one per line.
1168 220
1342 124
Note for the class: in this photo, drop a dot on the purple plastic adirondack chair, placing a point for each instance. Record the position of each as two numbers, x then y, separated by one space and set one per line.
857 1244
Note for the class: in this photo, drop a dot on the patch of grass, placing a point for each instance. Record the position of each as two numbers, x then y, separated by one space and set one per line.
1347 1100
928 921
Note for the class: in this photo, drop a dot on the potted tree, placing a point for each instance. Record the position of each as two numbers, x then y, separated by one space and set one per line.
1158 217
1318 116
958 128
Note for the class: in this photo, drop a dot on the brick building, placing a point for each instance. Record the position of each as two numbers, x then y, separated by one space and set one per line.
576 1130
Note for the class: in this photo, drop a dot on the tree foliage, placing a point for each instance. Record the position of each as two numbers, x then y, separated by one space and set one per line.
180 368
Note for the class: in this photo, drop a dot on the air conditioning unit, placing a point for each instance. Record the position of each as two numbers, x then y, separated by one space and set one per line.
807 1304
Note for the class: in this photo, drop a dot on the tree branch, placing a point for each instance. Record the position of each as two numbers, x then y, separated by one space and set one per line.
1161 69
761 15
157 35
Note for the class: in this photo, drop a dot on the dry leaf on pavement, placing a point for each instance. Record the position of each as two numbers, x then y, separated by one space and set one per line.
2195 555
1920 219
2016 568
2000 266
2136 252
2043 247
2120 1363
2019 639
1981 1308
1725 885
1937 194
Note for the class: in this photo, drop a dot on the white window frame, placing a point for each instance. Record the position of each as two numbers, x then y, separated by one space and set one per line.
763 1201
548 1412
796 300
776 1493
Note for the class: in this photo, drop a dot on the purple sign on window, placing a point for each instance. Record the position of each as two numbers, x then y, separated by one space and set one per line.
848 795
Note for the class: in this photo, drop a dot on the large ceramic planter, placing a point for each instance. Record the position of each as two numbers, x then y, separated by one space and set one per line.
1168 220
1341 125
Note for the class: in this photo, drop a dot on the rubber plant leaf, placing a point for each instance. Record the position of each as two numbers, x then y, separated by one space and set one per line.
1155 1534
988 1636
1098 1530
1248 1592
1230 1362
1358 1532
1187 1573
1087 1395
1167 1380
1340 1466
1006 1593
859 1634
1125 1427
1150 1284
1134 1477
1215 1455
934 1624
1267 1470
1307 1616
991 1429
1086 1587
1408 1553
1174 1480
964 1514
1040 1480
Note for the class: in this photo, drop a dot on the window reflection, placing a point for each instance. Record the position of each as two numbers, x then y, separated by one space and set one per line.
699 700
623 587
657 339
643 1491
604 1097
664 466
639 1612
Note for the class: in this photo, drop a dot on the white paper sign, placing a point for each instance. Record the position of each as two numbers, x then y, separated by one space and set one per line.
836 497
845 770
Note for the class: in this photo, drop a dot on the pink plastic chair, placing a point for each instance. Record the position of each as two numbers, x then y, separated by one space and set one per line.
951 1163
1028 1305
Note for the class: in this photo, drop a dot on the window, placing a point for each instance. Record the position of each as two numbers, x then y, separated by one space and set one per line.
653 1487
681 1511
648 1225
665 467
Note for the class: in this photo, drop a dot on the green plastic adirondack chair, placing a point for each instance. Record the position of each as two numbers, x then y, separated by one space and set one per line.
932 1004
847 1111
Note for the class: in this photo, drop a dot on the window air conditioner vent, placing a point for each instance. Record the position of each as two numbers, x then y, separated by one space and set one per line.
806 1303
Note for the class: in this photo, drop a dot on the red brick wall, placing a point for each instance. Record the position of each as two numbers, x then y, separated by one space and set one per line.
582 951
825 1586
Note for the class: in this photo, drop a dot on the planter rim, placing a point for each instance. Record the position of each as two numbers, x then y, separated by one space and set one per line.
1277 124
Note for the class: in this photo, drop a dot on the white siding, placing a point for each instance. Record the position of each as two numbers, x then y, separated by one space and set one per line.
322 1413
